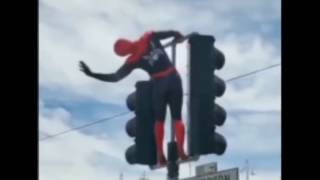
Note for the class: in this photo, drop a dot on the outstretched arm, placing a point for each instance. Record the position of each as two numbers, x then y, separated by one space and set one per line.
122 72
167 34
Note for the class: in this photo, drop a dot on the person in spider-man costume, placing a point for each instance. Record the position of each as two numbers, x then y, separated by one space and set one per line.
148 54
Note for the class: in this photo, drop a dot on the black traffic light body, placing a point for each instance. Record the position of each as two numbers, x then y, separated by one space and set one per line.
142 126
204 87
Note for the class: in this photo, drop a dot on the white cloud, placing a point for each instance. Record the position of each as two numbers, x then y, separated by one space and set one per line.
71 156
79 29
258 174
262 175
246 54
251 139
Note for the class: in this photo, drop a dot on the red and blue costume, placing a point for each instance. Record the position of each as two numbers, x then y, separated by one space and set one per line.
148 54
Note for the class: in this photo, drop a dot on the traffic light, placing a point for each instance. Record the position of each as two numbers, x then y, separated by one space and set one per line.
204 87
141 127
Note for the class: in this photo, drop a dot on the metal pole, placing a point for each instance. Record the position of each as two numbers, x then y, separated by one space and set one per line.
174 65
173 166
171 43
188 99
247 169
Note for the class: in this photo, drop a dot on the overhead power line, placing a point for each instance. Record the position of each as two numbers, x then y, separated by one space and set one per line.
252 73
127 112
85 125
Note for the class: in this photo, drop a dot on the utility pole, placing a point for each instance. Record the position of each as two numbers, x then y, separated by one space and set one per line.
247 169
144 176
173 166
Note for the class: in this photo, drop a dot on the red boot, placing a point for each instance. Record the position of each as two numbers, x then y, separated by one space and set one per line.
161 160
180 131
159 133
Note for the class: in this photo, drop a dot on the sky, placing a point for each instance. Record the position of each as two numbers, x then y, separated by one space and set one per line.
248 32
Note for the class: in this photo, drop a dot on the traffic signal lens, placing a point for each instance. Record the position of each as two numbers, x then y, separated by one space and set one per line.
218 144
219 85
131 155
131 127
131 101
218 57
219 115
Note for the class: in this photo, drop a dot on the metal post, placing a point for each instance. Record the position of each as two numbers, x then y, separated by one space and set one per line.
188 98
173 167
247 169
174 65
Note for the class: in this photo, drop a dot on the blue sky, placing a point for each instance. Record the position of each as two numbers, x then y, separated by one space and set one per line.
247 31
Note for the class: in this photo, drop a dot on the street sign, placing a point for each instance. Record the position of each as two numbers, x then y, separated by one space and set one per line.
206 169
229 174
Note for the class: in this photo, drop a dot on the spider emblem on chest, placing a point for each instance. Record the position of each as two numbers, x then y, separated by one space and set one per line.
154 55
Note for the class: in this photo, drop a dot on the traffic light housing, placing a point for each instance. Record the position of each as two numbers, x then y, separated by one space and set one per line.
204 86
141 127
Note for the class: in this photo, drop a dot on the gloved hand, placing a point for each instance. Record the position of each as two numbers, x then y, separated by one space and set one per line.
85 69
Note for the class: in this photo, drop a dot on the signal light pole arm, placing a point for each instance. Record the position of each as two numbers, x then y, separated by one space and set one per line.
167 34
180 40
121 73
